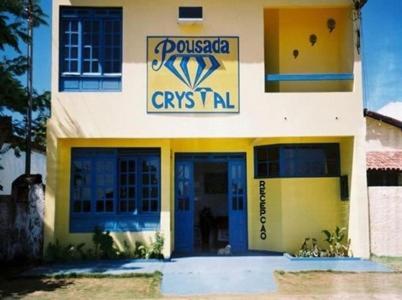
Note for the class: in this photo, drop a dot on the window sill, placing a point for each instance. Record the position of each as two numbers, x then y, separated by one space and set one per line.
296 177
114 223
89 83
89 75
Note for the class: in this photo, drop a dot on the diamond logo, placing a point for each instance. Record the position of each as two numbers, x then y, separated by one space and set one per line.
179 65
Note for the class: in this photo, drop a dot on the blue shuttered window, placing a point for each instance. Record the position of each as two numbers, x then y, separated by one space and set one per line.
150 186
297 160
104 185
71 46
118 190
128 185
90 49
81 181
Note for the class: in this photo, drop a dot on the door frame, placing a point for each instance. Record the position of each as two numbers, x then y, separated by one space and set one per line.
218 157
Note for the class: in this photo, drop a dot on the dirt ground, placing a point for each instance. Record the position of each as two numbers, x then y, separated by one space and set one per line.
393 262
81 288
291 285
298 285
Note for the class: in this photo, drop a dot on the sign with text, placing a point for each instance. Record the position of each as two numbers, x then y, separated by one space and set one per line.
193 74
263 210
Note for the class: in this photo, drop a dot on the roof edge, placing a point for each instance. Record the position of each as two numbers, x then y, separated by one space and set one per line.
382 118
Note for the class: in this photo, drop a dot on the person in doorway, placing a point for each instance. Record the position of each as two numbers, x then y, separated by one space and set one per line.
206 225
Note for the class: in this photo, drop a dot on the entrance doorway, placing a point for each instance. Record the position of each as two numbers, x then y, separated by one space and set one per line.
211 224
210 203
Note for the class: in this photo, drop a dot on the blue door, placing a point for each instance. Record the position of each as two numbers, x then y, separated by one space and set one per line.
237 205
184 207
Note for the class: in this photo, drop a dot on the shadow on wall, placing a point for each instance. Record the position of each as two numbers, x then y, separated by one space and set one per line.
66 127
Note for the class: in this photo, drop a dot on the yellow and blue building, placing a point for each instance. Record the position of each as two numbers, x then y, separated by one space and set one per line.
213 122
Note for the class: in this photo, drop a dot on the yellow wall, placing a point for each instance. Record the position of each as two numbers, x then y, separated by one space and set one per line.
60 228
287 29
119 119
296 207
124 114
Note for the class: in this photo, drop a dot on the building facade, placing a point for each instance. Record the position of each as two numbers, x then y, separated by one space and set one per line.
213 122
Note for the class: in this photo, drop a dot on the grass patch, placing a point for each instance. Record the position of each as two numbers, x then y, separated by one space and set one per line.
83 286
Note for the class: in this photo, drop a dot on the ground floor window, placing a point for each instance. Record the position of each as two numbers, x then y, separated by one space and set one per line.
117 189
297 160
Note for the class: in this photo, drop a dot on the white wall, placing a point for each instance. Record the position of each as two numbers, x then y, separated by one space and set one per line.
14 166
382 136
386 220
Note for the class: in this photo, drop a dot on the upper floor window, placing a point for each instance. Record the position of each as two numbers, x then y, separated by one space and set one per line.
90 49
297 160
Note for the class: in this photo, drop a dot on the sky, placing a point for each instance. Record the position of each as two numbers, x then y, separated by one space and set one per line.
42 51
381 52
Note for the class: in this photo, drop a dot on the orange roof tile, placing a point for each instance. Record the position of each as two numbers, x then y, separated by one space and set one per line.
384 160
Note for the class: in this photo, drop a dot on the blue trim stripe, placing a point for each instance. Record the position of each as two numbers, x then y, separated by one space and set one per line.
309 77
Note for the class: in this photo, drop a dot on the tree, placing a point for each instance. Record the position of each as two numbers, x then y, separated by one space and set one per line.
13 94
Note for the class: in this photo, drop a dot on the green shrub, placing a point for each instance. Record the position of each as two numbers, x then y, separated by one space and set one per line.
104 244
56 252
156 248
336 248
104 248
126 252
140 250
309 249
334 239
153 250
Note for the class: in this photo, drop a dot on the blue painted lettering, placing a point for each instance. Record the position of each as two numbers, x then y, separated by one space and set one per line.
218 100
228 105
203 92
164 47
180 97
200 46
190 101
154 103
169 97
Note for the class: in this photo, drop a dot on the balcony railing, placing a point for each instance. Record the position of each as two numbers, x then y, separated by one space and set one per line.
309 82
309 77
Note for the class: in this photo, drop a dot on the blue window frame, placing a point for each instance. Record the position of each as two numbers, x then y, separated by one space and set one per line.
297 160
104 184
81 181
117 189
90 49
150 185
128 184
